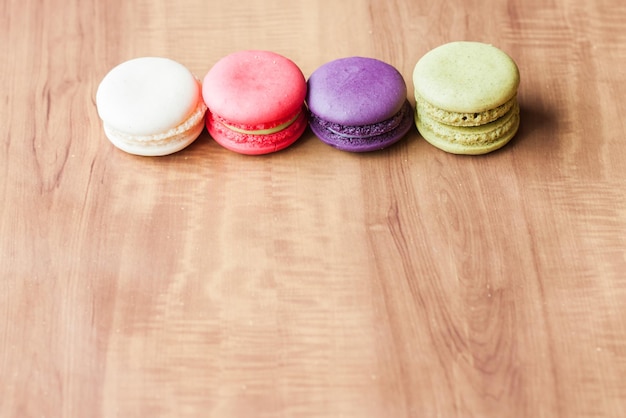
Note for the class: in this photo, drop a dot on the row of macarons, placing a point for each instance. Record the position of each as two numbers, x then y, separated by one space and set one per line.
258 102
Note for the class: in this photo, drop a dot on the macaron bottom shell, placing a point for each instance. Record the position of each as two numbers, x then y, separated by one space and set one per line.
373 141
251 144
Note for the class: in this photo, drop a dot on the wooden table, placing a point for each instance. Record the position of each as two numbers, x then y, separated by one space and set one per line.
312 282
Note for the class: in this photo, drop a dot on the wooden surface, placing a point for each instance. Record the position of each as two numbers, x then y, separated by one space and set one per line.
312 282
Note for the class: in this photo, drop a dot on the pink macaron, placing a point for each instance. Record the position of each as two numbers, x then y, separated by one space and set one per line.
255 102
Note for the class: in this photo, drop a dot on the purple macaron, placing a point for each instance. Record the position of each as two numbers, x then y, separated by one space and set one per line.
358 104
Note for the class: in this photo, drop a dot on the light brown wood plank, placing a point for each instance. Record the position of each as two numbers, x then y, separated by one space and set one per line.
312 282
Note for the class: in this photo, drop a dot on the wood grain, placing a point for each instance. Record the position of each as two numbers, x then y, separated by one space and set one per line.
312 282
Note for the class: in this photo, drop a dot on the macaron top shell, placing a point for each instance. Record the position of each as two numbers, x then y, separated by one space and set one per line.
254 88
466 77
147 96
356 91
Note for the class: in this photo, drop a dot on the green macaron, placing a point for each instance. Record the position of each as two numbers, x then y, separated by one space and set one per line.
466 97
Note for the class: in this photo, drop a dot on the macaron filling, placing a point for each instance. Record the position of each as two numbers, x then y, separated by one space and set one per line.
364 131
246 129
192 125
464 118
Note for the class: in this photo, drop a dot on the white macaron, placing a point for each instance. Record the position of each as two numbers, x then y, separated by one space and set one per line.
151 106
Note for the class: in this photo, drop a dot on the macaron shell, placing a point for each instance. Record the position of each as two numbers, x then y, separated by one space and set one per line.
147 96
255 144
366 144
364 131
356 91
254 88
466 77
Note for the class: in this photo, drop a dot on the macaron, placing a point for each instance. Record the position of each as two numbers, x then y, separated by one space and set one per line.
151 106
358 104
255 102
466 97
